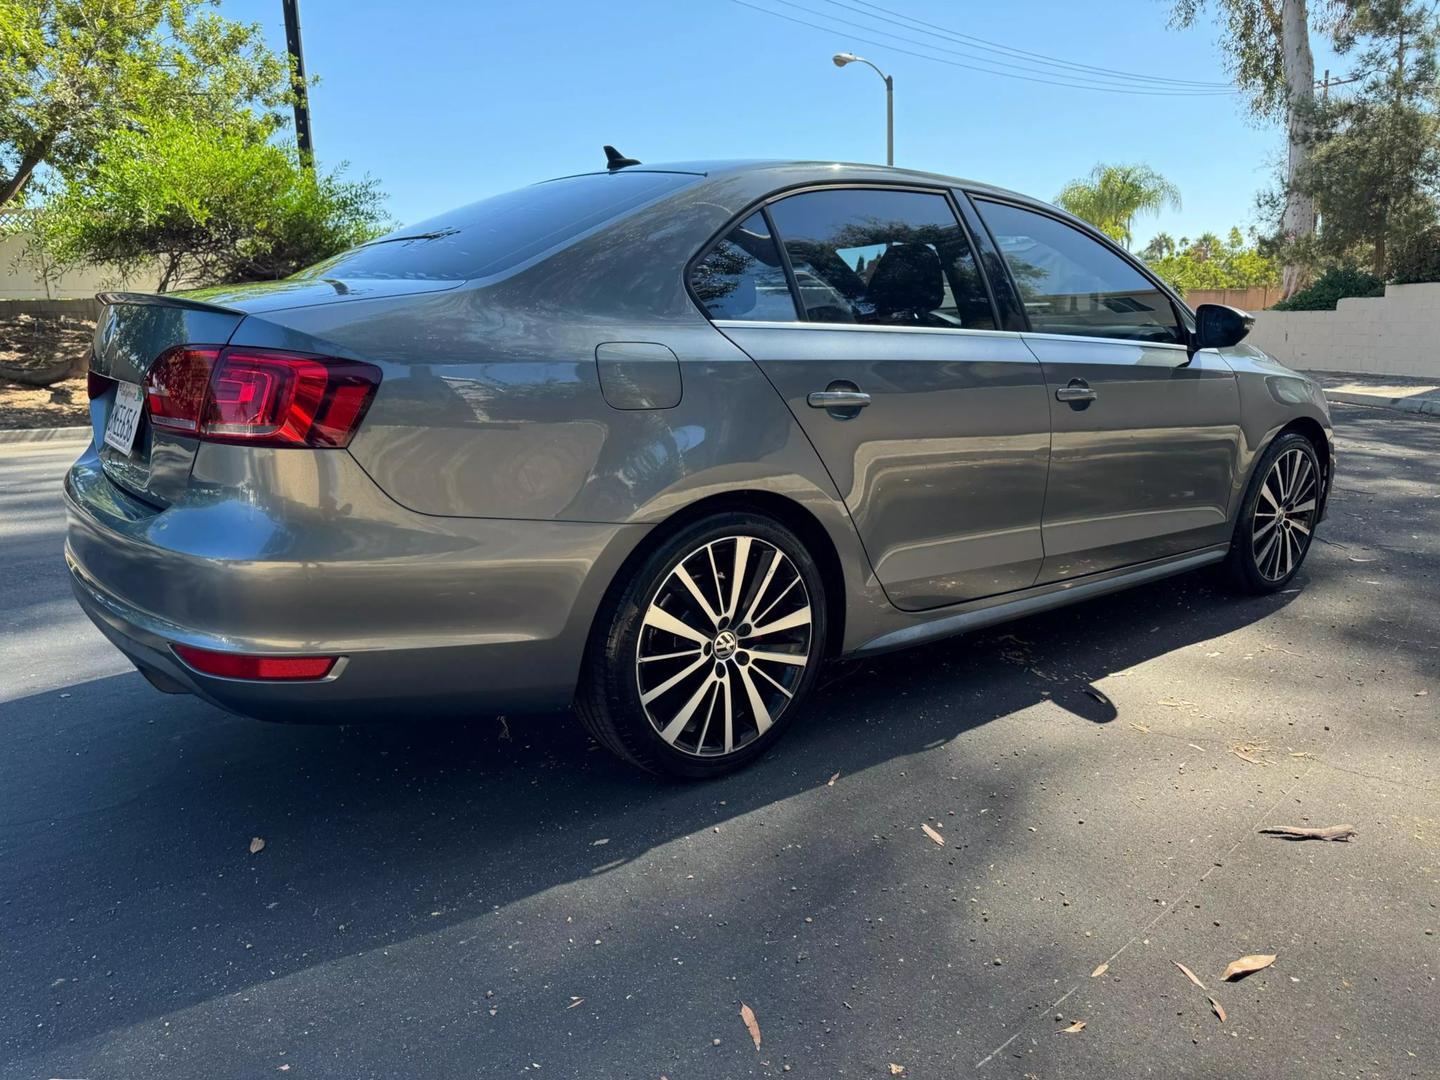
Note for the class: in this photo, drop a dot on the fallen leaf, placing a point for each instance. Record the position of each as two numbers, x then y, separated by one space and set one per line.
896 1070
1295 832
831 781
1099 971
1189 974
256 845
1247 965
1195 747
1219 1009
601 842
1246 751
748 1015
1141 728
1076 1025
933 835
575 1001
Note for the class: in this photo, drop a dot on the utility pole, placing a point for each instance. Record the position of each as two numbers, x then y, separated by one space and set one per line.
297 83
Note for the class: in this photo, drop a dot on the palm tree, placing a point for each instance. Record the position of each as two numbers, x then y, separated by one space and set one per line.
1112 196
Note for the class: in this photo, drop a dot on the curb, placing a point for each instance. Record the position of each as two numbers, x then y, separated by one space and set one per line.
52 434
1422 406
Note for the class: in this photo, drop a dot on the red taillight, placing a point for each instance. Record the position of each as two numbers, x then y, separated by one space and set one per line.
259 397
96 384
238 666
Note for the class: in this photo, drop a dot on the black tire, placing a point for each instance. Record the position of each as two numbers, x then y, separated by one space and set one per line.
1267 562
614 676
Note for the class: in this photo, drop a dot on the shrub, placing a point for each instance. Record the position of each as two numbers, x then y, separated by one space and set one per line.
1331 287
1417 257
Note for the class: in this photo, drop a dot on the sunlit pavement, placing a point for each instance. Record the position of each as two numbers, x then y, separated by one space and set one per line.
495 900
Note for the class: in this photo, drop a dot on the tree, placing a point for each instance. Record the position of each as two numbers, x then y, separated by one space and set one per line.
74 71
1374 167
1210 262
1267 43
212 204
1113 195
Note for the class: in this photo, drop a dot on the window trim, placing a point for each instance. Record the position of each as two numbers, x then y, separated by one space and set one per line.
1178 307
763 204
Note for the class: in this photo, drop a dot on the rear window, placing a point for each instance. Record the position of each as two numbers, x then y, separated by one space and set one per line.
499 233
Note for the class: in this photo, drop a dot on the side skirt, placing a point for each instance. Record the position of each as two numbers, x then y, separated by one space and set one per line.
1042 598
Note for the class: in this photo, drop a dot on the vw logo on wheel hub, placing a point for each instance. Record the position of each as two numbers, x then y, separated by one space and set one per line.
725 644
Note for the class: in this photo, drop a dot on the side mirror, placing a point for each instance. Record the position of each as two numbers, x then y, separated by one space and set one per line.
1219 327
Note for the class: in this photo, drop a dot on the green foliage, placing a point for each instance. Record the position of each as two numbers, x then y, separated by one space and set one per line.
72 72
1331 287
1209 262
212 204
1113 195
1374 168
1416 257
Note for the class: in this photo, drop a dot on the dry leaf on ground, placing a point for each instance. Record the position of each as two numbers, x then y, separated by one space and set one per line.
1246 751
933 835
751 1024
1075 1025
1248 965
1189 974
831 781
1219 1009
1296 832
256 845
1099 971
896 1070
575 1001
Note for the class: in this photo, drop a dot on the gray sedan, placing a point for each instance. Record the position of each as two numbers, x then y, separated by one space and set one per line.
656 441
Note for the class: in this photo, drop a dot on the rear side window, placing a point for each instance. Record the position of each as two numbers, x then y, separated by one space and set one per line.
1072 284
742 276
499 233
882 258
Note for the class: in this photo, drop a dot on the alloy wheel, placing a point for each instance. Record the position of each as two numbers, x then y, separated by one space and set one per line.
723 646
1285 514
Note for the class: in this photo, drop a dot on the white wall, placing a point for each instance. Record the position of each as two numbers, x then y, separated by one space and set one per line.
1397 334
20 281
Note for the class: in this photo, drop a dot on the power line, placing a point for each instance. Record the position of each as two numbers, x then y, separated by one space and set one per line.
994 46
1103 87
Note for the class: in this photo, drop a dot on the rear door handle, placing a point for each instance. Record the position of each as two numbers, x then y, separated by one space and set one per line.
838 399
1076 391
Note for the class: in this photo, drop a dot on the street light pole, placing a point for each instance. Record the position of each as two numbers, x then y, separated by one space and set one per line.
840 60
297 82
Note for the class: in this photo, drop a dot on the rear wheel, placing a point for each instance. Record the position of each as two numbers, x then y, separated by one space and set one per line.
701 659
1277 519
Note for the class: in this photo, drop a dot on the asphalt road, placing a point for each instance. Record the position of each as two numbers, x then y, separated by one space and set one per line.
490 901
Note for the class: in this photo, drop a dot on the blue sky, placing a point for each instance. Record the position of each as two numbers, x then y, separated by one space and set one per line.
449 102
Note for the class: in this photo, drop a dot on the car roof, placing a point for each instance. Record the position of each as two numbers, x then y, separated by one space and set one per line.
786 173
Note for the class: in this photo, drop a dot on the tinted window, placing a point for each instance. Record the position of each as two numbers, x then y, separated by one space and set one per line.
496 234
886 258
1071 284
742 276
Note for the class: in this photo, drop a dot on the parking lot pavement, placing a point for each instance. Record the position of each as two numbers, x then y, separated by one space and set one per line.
497 900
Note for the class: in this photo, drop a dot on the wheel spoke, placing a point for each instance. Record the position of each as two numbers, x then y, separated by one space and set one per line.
1260 559
761 672
668 656
685 579
794 659
799 617
661 619
729 716
1266 527
737 575
764 584
674 681
1265 491
757 705
677 725
1301 526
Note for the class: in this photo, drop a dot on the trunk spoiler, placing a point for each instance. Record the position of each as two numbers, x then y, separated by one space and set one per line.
164 300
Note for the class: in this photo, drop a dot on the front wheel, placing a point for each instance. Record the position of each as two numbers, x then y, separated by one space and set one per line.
1277 519
701 659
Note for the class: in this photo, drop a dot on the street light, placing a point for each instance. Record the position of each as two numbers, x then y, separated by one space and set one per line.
840 60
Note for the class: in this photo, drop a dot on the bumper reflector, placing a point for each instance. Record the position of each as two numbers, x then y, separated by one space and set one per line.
226 665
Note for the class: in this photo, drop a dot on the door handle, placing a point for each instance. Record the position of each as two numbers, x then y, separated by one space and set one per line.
838 399
1077 391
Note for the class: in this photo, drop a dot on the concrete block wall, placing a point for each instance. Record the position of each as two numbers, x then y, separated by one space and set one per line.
1394 334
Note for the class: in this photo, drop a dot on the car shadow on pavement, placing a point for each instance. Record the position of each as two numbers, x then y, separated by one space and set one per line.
130 893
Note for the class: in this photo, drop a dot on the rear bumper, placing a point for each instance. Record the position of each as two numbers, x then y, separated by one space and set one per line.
433 616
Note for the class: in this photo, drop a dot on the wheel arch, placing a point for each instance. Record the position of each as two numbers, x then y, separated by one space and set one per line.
788 512
1320 440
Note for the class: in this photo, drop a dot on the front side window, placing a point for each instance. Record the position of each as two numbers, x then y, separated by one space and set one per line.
742 276
1072 284
881 258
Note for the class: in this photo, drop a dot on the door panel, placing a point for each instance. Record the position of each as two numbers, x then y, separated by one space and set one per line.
944 470
1146 469
1145 437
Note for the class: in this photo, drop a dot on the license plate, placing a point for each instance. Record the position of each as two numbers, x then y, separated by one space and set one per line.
124 417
